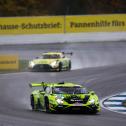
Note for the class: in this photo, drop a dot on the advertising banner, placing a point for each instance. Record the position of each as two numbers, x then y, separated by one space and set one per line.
96 23
32 25
9 62
62 24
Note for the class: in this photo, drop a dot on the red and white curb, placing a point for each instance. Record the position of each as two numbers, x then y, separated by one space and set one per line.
115 103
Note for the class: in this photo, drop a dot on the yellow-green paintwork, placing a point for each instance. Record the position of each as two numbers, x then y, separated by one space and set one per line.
40 94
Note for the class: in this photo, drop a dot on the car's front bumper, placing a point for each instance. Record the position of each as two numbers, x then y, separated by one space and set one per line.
43 67
72 108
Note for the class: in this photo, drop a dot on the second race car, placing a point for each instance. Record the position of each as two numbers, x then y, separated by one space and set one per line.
51 61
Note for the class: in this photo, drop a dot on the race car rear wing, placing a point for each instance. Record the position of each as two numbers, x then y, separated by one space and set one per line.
36 84
68 53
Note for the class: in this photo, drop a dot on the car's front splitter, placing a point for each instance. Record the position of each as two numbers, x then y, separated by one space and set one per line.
79 109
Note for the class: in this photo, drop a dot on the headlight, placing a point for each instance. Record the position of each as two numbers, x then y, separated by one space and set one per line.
59 101
91 101
31 64
54 64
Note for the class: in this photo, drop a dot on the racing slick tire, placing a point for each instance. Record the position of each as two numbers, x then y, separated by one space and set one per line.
69 67
94 112
32 102
39 106
47 105
60 66
36 68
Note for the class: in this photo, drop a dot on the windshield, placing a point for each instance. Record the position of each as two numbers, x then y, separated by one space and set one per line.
69 90
54 56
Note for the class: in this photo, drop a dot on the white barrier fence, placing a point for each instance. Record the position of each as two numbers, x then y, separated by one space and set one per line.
61 38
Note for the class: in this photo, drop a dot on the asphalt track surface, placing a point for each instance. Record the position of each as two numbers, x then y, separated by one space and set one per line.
98 66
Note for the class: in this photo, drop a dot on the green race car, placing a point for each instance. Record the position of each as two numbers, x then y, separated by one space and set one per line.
63 97
51 61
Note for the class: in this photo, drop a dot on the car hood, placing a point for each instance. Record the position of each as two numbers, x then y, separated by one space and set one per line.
44 61
75 96
71 98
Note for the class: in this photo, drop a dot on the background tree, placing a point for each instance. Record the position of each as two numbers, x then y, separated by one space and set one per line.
60 7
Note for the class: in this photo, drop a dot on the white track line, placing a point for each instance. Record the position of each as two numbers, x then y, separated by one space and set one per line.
117 108
117 98
109 102
112 103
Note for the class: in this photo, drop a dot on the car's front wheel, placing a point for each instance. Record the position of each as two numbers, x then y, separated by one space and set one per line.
47 105
36 68
60 66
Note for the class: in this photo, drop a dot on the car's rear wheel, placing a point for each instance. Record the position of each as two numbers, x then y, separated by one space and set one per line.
32 102
69 67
